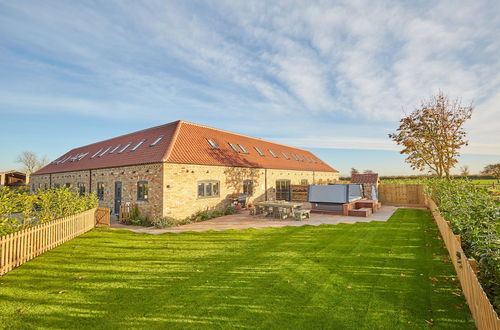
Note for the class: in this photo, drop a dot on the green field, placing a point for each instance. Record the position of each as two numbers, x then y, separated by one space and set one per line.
379 275
486 182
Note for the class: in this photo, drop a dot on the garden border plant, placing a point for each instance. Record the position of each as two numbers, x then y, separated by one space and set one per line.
203 215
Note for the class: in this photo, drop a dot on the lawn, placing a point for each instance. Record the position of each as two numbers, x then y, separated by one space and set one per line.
392 275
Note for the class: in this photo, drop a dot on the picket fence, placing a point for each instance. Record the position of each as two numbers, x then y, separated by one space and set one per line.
482 311
24 245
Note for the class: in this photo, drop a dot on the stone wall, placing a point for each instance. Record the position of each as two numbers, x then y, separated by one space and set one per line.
127 175
173 188
180 199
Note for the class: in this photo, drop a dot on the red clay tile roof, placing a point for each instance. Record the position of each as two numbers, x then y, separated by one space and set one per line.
364 178
187 143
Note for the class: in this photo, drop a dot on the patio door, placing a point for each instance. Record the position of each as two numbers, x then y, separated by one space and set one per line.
118 196
283 191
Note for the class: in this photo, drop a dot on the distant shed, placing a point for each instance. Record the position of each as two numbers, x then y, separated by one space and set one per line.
370 182
12 178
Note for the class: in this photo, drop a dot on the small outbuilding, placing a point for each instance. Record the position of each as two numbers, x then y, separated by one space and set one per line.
370 182
12 178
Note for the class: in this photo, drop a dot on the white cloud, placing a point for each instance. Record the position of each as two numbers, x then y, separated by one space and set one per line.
299 63
360 143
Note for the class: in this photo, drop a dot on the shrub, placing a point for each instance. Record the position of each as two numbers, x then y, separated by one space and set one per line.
20 209
136 219
202 216
216 214
229 210
165 222
475 216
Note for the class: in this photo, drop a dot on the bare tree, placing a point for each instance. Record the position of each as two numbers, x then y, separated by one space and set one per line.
492 169
464 171
368 172
354 171
30 161
433 134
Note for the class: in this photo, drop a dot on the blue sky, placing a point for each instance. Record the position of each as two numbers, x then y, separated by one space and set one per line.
332 77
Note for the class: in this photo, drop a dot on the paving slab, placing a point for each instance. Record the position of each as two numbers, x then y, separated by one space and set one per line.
245 220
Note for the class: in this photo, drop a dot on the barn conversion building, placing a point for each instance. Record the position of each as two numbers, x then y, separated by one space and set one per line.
180 168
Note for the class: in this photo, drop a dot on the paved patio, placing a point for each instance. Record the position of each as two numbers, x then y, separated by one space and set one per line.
244 221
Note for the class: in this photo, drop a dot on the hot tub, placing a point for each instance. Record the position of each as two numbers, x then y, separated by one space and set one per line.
331 197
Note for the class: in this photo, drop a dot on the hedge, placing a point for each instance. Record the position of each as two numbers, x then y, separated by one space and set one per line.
21 209
474 214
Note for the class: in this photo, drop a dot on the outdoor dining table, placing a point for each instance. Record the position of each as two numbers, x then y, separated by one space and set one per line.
276 205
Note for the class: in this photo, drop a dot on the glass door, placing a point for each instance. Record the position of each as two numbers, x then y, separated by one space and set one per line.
283 191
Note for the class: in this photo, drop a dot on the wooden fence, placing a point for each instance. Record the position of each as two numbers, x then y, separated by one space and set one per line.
102 217
299 192
125 212
482 311
22 246
402 194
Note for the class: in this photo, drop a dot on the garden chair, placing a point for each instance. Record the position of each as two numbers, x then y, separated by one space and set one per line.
265 211
302 215
253 210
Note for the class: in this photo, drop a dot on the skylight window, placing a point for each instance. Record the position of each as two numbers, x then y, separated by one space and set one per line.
115 148
96 153
105 151
138 145
272 153
155 142
233 147
295 156
81 156
66 159
213 144
243 149
124 148
259 151
285 155
59 160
